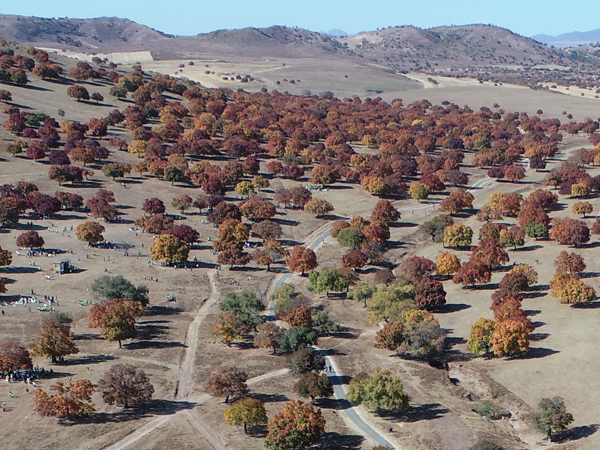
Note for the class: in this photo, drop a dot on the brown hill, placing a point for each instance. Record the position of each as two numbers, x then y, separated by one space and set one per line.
411 48
104 33
403 48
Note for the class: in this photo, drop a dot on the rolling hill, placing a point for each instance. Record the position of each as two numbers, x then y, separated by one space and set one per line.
403 48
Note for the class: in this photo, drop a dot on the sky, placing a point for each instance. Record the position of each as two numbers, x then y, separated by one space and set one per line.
190 17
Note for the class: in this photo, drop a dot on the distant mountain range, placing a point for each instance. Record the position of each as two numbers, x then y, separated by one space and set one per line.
570 39
403 48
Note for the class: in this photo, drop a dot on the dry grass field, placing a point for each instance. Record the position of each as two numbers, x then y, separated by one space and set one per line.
563 360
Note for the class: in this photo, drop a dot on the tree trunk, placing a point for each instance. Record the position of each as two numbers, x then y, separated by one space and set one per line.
227 399
119 344
274 350
245 428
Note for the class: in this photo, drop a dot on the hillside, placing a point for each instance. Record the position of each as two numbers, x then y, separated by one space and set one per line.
442 48
84 34
403 48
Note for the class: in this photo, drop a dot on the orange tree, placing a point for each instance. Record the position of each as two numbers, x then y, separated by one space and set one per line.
116 318
298 424
170 249
90 232
510 338
301 259
56 341
71 401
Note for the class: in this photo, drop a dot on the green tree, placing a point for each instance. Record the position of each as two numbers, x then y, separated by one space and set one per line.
244 188
323 324
314 385
436 226
296 338
116 170
327 280
390 302
419 191
481 337
362 292
174 175
536 230
246 411
107 288
380 391
351 237
552 416
246 305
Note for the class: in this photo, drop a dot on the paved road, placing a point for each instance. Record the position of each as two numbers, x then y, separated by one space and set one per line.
337 380
338 388
350 411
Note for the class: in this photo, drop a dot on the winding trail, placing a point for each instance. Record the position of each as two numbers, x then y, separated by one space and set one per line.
185 371
187 366
201 399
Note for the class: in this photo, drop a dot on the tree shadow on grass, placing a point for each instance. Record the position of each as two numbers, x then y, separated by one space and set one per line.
337 441
590 245
258 431
148 332
87 360
590 305
270 398
535 353
403 224
576 433
451 341
157 407
142 345
291 223
534 294
528 248
450 308
417 413
482 287
21 269
536 337
157 310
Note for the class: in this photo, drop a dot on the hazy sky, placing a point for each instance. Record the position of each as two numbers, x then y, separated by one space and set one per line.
188 17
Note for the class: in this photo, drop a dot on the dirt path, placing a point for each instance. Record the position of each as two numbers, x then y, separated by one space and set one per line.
185 371
159 421
214 440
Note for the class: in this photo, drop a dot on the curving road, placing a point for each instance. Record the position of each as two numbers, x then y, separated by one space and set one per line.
339 391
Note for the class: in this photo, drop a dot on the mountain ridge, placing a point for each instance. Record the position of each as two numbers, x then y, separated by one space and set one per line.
571 39
402 48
